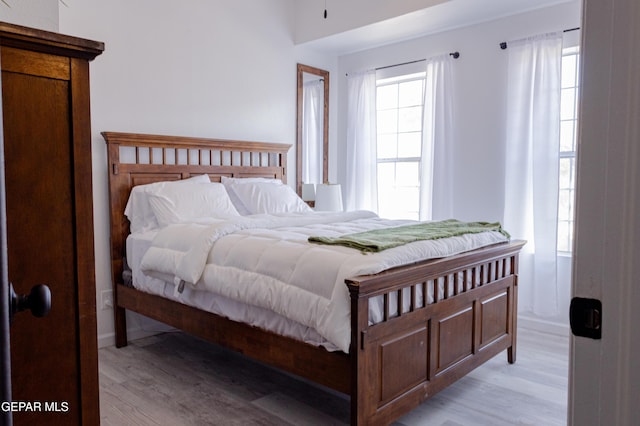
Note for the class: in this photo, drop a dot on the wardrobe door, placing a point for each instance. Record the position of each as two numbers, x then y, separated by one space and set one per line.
50 234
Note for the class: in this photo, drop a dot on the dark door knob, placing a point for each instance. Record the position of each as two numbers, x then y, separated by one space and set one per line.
38 301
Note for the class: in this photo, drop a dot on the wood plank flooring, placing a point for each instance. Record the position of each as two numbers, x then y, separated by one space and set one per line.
175 379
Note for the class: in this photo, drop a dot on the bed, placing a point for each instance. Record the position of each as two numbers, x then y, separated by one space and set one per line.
412 351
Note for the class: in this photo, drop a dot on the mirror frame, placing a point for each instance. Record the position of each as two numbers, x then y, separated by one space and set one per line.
325 131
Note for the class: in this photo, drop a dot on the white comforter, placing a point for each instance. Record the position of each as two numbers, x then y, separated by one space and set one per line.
266 261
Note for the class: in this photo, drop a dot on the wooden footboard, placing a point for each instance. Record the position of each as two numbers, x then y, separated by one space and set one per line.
419 347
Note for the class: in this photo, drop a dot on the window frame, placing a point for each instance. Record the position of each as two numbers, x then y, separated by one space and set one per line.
398 79
566 221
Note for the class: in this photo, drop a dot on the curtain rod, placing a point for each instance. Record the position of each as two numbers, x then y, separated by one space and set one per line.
455 55
503 45
399 65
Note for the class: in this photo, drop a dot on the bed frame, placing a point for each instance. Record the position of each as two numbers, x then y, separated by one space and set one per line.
392 366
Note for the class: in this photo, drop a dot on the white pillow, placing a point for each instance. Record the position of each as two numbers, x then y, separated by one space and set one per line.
262 197
229 182
138 209
186 202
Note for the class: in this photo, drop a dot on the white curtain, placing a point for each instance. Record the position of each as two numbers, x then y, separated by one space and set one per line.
312 131
436 165
361 187
531 188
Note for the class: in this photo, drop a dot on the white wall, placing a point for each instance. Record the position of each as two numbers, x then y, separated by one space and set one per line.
40 14
224 69
479 110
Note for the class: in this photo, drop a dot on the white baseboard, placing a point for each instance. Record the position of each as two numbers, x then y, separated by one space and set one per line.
542 325
138 327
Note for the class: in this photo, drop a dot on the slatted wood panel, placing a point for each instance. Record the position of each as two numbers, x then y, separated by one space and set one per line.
441 319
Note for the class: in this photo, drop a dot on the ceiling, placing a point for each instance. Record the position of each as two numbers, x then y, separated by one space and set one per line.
442 17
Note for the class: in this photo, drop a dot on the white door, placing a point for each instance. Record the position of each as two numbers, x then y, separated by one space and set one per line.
604 377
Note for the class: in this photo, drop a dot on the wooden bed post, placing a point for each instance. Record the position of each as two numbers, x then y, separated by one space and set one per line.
359 367
118 221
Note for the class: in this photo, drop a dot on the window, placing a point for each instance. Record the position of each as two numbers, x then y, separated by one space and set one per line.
399 133
568 129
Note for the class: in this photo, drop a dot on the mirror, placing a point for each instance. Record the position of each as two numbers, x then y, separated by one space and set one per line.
312 140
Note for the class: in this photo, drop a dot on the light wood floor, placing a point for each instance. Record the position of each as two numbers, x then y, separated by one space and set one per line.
175 379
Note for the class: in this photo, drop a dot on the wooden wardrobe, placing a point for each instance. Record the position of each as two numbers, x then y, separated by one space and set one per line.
47 148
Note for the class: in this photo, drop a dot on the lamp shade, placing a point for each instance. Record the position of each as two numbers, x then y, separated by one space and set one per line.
308 192
328 198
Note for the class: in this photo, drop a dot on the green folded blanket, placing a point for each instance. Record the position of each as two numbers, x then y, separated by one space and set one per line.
382 239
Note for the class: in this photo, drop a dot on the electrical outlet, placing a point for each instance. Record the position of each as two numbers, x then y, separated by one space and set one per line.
106 299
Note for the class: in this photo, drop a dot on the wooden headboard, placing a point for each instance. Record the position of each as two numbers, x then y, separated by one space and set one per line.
136 159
